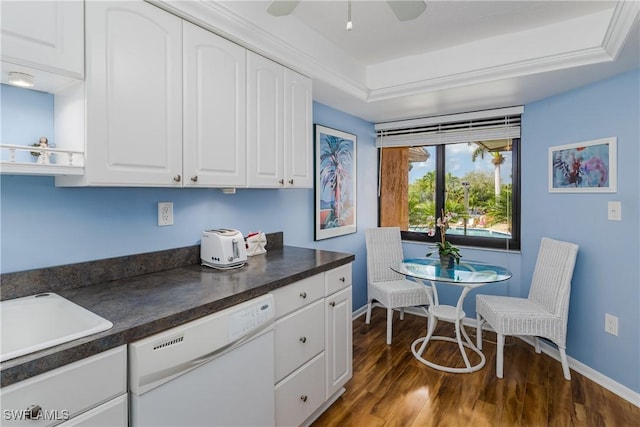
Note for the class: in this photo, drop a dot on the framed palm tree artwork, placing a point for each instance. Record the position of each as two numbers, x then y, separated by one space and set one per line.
335 183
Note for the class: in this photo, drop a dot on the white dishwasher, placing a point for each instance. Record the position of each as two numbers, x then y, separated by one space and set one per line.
213 371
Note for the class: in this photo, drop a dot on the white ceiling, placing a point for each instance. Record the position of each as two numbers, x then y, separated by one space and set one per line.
378 36
457 56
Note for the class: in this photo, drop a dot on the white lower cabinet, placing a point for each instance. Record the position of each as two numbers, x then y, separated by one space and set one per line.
339 340
90 392
313 345
302 334
113 413
301 393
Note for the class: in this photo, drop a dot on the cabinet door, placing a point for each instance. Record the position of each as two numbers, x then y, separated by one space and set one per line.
339 335
45 35
265 142
298 143
214 144
134 95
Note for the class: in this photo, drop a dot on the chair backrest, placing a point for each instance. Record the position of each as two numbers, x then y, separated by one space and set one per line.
551 282
384 248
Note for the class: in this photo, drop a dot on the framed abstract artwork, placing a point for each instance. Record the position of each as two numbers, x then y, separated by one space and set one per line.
335 183
583 167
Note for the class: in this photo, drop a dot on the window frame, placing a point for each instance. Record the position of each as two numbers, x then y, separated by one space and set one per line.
512 244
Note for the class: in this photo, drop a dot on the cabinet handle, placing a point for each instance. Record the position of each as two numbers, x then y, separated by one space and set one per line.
33 412
281 182
342 279
303 295
304 397
332 303
194 178
303 339
177 178
291 181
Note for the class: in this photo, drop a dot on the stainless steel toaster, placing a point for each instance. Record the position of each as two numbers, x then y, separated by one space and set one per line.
223 248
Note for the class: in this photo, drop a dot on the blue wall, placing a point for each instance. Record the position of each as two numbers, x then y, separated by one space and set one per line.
606 277
43 225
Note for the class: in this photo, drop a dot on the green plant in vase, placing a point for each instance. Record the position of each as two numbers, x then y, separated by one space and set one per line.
448 253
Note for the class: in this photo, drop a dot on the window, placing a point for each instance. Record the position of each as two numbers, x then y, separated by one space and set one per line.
466 165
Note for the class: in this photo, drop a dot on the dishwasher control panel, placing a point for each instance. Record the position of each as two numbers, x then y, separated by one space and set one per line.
251 317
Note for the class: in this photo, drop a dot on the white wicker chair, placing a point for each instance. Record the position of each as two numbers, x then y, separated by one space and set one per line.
385 287
544 313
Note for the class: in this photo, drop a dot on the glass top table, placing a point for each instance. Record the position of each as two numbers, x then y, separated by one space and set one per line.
467 275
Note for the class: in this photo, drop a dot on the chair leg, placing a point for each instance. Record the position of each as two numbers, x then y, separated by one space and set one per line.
401 313
500 356
536 344
389 325
565 364
479 323
367 318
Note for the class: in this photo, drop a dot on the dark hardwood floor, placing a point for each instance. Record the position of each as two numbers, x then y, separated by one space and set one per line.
390 387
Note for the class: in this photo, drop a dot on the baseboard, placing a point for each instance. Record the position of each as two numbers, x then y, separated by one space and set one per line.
613 386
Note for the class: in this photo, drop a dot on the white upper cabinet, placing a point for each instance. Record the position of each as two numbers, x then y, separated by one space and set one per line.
214 145
44 35
265 120
280 151
298 148
133 92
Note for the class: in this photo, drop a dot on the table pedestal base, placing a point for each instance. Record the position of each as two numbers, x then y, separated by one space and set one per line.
467 369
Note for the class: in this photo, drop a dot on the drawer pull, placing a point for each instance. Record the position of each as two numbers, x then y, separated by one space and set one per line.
303 295
291 181
332 303
303 339
33 412
304 397
194 178
342 279
177 178
281 182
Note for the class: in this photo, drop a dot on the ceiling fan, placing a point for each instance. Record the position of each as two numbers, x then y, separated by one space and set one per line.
404 10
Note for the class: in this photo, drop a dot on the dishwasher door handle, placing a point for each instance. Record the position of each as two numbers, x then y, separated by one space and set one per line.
152 380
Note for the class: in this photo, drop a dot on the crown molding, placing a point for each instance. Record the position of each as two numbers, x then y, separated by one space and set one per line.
625 17
226 23
327 63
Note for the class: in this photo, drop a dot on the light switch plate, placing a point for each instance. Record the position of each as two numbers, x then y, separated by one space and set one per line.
614 211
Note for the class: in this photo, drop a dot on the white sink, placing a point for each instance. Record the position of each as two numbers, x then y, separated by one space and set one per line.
40 321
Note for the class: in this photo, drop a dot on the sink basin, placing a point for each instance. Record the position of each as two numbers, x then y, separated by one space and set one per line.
40 321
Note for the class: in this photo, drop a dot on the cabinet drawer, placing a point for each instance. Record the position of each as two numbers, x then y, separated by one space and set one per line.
338 278
111 414
298 337
301 393
65 392
297 295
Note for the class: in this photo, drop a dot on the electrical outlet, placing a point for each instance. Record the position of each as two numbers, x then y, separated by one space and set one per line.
165 213
611 324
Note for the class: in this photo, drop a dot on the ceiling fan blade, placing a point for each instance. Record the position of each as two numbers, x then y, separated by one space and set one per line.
407 10
282 7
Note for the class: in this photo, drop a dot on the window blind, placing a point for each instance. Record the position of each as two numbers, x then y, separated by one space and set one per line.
484 125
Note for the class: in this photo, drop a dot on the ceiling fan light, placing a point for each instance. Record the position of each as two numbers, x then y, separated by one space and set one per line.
21 79
282 7
407 10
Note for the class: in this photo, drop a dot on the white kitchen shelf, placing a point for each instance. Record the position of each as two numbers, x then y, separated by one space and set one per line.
61 162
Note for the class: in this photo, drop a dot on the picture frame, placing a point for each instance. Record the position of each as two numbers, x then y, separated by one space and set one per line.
584 167
335 183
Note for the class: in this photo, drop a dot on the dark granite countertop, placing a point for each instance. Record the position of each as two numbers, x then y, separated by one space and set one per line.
149 303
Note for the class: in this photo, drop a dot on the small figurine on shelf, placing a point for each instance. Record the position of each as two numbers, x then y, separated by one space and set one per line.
43 156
